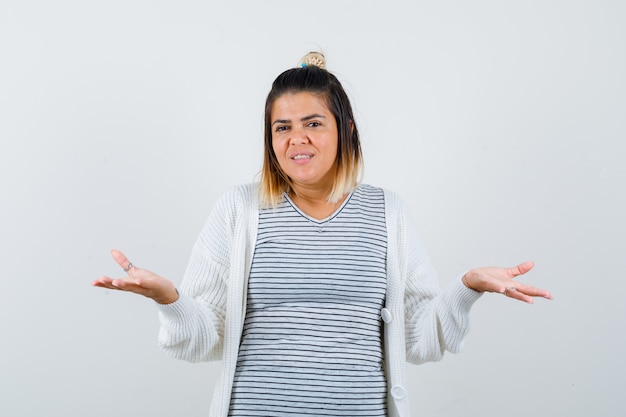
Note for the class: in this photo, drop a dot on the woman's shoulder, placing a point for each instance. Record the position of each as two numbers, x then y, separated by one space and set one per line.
241 194
235 201
392 199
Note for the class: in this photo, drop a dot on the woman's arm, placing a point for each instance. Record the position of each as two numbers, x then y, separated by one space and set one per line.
436 320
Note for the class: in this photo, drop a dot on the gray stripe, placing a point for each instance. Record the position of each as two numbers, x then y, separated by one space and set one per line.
312 342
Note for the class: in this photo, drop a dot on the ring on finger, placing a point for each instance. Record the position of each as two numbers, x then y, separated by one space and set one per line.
130 265
507 289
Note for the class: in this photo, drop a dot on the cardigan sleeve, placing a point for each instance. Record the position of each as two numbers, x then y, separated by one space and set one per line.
435 321
192 328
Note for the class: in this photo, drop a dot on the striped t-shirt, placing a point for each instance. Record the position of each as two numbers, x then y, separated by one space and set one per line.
312 337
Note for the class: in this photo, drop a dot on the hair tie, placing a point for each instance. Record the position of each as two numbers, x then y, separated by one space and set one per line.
315 59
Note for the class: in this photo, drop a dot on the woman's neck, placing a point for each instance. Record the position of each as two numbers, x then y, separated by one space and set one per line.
315 204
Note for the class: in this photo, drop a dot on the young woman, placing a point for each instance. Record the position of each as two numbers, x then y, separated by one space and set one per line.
311 288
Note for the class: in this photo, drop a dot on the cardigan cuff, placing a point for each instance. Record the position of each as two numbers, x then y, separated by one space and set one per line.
464 297
175 313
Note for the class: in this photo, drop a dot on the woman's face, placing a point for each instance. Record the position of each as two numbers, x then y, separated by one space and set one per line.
305 140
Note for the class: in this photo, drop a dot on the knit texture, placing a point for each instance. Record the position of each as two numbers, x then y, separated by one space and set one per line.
205 323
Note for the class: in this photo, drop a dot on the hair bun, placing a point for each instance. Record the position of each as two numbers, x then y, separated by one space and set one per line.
315 59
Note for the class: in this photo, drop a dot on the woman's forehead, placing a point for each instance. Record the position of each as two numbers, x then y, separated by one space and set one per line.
299 104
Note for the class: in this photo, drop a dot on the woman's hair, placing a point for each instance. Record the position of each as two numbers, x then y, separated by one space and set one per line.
313 79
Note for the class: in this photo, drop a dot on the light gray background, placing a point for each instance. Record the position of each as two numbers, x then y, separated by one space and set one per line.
500 122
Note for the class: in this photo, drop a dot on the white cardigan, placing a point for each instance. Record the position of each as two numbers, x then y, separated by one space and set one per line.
205 323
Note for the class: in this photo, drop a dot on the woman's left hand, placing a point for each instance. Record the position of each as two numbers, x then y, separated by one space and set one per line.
500 280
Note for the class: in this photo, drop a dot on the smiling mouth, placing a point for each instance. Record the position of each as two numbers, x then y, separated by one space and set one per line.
298 157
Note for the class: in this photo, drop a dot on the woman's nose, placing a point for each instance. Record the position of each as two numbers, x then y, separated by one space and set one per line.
298 137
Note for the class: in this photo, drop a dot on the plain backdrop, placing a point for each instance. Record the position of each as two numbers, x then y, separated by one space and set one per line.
501 123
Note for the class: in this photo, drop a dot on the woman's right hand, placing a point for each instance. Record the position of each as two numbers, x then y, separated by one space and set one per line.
140 281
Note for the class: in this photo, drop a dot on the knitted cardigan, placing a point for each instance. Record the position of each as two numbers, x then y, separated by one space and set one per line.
421 322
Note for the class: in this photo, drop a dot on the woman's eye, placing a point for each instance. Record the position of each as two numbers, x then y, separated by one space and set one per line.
315 124
281 128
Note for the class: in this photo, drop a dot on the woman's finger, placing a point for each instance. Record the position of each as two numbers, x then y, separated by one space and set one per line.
122 284
103 282
525 292
122 260
515 293
521 269
106 282
533 291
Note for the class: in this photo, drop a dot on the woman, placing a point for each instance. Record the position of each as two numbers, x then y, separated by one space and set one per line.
311 288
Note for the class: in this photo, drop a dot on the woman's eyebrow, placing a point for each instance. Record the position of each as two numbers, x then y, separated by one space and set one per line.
312 116
304 119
